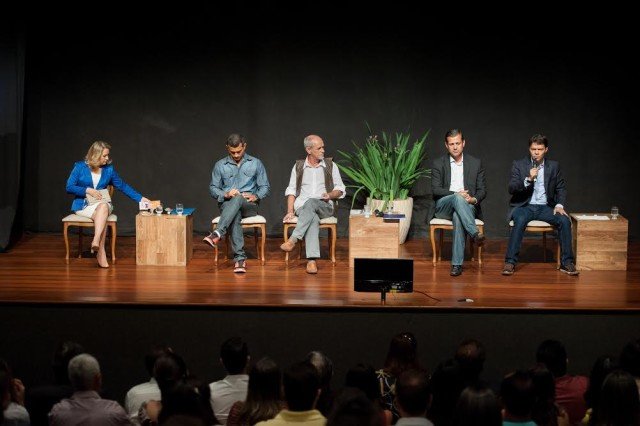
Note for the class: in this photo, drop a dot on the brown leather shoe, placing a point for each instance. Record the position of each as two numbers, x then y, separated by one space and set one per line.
508 269
312 268
289 245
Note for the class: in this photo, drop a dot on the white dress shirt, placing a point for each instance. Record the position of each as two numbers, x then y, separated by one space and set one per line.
141 393
226 392
457 175
312 185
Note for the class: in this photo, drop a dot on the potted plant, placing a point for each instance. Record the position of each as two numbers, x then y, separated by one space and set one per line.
386 170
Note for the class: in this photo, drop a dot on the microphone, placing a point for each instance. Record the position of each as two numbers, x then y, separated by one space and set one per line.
535 164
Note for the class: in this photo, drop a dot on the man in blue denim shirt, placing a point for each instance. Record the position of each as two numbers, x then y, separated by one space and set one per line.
238 181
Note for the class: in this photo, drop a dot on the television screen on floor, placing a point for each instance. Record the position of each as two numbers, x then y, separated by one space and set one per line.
375 275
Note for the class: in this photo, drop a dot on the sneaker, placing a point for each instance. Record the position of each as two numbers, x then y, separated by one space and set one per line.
212 239
288 245
456 270
240 267
312 267
508 269
569 269
478 239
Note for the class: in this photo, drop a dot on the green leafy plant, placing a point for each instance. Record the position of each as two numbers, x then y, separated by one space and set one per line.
386 169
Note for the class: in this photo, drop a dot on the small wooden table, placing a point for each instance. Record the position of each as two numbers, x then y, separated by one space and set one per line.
164 239
373 238
599 244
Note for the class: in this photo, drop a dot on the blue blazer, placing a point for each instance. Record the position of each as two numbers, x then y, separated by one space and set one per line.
554 184
80 179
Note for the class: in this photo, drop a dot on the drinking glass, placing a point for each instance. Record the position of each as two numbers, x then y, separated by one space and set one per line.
179 209
159 209
367 210
614 213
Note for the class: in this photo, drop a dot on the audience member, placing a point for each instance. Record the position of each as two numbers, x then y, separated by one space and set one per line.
601 369
264 399
86 407
518 399
234 356
147 391
353 408
478 405
301 391
569 389
619 401
630 360
41 399
12 411
412 398
364 377
402 356
546 412
324 366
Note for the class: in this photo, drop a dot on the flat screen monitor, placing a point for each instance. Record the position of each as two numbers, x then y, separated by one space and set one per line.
375 275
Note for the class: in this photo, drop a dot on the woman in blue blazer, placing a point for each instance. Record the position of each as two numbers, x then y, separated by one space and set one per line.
88 177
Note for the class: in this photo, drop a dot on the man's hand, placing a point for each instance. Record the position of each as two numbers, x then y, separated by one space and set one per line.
325 196
465 194
231 193
533 174
250 197
18 389
560 210
94 193
289 217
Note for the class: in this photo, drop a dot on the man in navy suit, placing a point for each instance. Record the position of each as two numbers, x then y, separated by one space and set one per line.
538 192
458 187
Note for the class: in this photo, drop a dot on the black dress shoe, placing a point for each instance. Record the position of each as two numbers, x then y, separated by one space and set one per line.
456 270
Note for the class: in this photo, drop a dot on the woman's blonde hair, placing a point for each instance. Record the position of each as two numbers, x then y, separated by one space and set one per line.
95 152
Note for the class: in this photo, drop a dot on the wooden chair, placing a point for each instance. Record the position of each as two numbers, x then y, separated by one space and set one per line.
447 225
252 222
329 223
84 222
544 227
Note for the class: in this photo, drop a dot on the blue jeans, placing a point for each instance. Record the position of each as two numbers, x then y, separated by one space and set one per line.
463 215
231 213
308 226
523 215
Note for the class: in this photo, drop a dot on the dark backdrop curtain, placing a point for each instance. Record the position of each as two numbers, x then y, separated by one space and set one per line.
12 71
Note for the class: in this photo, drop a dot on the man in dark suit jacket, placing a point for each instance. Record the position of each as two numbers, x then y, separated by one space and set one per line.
458 187
538 192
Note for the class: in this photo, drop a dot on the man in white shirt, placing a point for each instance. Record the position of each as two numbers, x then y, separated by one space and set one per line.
234 356
146 391
315 182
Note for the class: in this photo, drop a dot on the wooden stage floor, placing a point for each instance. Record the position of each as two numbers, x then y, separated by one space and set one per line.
34 272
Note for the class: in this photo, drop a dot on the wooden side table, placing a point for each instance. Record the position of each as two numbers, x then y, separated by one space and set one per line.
373 238
599 245
164 239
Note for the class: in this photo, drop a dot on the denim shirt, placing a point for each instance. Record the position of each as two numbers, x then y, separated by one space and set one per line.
250 176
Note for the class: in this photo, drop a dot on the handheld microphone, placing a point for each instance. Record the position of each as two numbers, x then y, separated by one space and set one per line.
535 164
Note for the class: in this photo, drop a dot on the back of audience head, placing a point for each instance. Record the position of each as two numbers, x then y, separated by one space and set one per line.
545 411
301 386
353 408
470 356
447 383
630 358
518 397
604 365
323 365
619 401
63 353
263 396
478 405
84 373
553 354
169 369
402 354
364 377
234 355
412 393
183 398
156 352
